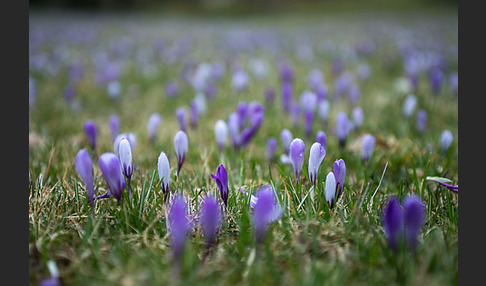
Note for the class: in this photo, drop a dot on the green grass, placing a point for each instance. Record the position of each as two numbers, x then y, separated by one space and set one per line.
311 244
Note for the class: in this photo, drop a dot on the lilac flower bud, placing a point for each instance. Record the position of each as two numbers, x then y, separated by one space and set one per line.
295 112
308 101
267 210
210 219
286 138
114 89
240 80
85 171
179 226
309 120
181 118
90 131
315 78
200 101
221 179
393 222
112 173
180 145
114 126
316 155
321 91
271 147
358 116
446 140
323 108
153 123
131 139
409 105
330 189
242 111
221 133
421 120
194 114
163 168
354 93
414 217
234 129
125 156
269 95
367 146
286 73
343 127
287 94
339 168
436 78
321 138
171 88
297 148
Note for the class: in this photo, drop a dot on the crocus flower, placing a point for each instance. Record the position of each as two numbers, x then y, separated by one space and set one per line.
221 133
367 147
363 70
286 138
179 226
393 222
240 80
221 179
267 210
295 111
323 109
181 118
90 131
414 218
409 105
194 114
343 127
234 129
316 155
446 140
171 88
112 173
200 102
210 219
436 77
296 154
114 126
153 123
315 78
269 95
271 147
287 94
330 189
125 156
85 171
339 168
321 138
309 120
180 145
421 120
132 139
164 172
321 91
445 182
286 73
354 93
358 116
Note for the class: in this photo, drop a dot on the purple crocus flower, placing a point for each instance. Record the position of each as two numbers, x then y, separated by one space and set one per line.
269 95
210 219
339 168
343 127
221 133
242 111
194 114
267 210
421 120
321 138
240 80
114 126
358 116
286 73
85 171
354 93
179 226
409 105
286 138
171 88
446 140
436 78
321 91
393 222
163 168
454 82
153 123
367 146
271 147
90 131
69 93
125 157
180 145
296 154
132 139
234 129
308 121
221 180
330 189
54 272
287 94
316 155
181 118
112 173
323 109
445 182
295 113
414 217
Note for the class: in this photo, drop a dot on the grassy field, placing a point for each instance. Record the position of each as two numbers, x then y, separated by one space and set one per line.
129 243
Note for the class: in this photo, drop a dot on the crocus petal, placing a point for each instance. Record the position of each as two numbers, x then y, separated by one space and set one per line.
271 147
330 189
179 226
267 210
316 155
181 118
393 222
112 173
84 167
210 219
152 125
90 131
321 138
414 213
221 179
446 139
125 156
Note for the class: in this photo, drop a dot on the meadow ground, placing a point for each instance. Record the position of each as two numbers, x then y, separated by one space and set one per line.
89 67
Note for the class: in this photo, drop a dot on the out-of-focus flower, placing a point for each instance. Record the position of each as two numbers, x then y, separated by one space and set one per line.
409 105
421 120
90 132
354 93
309 120
181 145
436 78
259 68
84 167
287 94
315 78
221 133
367 146
240 80
269 95
286 138
179 226
32 91
221 179
54 280
267 210
446 140
125 157
114 126
181 118
194 114
358 116
153 123
271 147
343 127
321 138
296 154
171 88
323 109
414 216
393 222
114 89
112 173
316 155
210 219
286 72
321 91
363 70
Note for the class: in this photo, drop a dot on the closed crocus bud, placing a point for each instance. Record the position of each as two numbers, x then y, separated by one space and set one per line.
295 111
267 210
446 140
271 147
321 91
286 138
221 133
287 94
321 138
414 217
90 131
296 154
153 123
286 72
421 120
132 139
309 120
316 155
367 147
112 173
221 179
181 118
114 126
323 108
179 226
163 168
393 223
210 219
180 145
409 105
194 114
234 129
343 127
330 189
85 171
125 156
339 168
358 116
